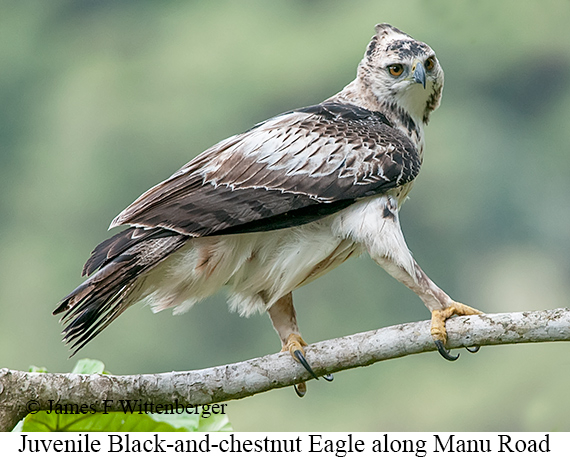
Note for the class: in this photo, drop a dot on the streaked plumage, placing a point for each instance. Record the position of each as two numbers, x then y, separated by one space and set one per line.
269 210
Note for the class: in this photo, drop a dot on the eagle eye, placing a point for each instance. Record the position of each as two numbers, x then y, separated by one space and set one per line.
396 69
430 64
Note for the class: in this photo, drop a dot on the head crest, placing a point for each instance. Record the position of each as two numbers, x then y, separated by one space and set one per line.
384 29
384 33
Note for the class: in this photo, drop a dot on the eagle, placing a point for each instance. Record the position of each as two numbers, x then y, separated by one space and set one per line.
267 211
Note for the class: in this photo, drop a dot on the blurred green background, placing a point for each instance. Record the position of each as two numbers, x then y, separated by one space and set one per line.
100 100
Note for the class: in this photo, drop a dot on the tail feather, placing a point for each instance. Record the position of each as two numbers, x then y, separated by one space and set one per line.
121 242
121 261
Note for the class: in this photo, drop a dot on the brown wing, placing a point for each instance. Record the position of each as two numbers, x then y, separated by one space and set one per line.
289 170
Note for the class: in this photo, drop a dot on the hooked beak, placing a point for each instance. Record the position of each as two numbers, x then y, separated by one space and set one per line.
419 74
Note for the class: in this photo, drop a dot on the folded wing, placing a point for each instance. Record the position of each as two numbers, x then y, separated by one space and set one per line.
289 170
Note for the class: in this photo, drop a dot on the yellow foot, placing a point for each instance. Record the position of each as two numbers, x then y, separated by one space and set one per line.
300 389
295 345
438 331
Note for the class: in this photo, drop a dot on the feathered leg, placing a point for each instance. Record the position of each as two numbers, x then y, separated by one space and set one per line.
441 306
376 225
284 320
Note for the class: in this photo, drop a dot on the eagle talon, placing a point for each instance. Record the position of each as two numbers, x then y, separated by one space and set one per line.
300 389
303 361
473 349
444 352
438 331
328 377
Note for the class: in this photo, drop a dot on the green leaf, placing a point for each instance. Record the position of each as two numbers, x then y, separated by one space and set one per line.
88 421
121 422
89 366
196 422
215 423
97 422
188 422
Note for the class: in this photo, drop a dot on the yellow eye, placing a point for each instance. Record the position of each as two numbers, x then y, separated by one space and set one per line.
430 64
396 69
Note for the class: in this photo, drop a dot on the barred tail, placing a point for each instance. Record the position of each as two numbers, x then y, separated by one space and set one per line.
121 261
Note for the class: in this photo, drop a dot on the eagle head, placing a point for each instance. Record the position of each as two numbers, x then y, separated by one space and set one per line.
401 72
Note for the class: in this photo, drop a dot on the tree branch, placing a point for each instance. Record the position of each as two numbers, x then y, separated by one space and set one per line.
243 379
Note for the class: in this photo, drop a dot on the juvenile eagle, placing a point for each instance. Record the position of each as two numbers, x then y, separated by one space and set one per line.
269 210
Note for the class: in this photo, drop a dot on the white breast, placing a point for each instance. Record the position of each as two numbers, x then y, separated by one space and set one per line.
259 268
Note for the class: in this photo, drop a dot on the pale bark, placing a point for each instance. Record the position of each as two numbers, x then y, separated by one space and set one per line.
243 379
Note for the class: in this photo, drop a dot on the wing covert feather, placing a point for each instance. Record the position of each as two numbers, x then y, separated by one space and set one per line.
294 168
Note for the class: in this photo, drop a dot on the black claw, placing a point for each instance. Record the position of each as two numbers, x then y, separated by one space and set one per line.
300 390
444 352
303 361
328 377
474 349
